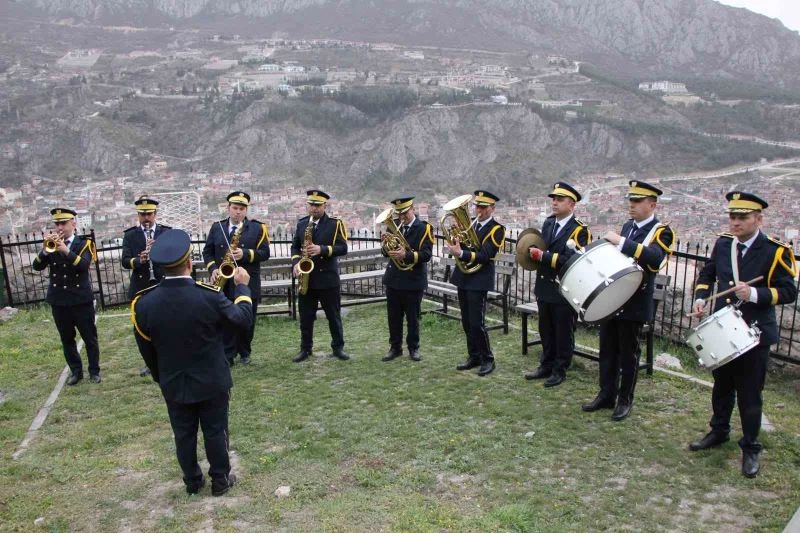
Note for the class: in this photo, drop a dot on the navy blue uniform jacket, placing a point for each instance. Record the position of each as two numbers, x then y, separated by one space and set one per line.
640 307
178 326
556 255
69 282
491 236
133 242
420 239
331 235
254 242
766 257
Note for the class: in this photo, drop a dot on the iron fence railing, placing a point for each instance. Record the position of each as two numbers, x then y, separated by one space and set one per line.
23 286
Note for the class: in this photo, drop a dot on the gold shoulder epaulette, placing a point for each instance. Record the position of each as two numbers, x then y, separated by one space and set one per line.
130 229
776 241
164 226
145 291
580 223
208 286
725 234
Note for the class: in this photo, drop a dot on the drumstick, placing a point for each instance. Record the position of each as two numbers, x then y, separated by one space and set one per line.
723 293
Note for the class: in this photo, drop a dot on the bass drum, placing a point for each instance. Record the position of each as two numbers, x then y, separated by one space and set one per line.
598 281
722 337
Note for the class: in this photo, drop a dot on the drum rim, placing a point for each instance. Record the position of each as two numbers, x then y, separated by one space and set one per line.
597 290
575 258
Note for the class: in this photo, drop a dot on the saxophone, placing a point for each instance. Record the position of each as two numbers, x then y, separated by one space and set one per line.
227 267
306 264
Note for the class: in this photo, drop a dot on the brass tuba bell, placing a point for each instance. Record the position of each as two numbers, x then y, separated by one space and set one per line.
393 240
455 224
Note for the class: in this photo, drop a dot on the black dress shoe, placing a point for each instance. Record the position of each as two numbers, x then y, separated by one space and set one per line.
468 364
486 368
539 373
557 378
622 411
144 372
301 356
710 440
220 486
95 378
414 355
750 464
194 487
598 403
340 354
246 360
392 354
73 379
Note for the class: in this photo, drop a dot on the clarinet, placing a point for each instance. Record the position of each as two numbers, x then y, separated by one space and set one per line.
147 249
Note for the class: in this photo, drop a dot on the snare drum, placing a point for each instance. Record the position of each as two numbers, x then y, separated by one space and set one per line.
722 337
599 281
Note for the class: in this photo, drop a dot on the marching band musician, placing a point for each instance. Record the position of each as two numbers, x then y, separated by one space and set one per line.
404 288
251 251
739 256
136 243
179 327
557 319
473 287
328 242
648 242
69 293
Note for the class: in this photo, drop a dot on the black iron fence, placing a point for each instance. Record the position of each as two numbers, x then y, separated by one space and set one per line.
24 286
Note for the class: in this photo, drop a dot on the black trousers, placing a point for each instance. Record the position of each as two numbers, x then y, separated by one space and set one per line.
331 302
402 304
740 381
212 416
619 358
239 340
557 331
81 317
473 321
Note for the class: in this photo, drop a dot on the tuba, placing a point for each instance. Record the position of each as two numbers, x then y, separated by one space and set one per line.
227 267
306 264
455 224
393 240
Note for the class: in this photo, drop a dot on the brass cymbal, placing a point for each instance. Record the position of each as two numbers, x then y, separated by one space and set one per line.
531 237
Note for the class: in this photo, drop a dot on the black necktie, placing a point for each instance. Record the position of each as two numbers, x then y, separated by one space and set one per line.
633 232
740 248
233 230
404 231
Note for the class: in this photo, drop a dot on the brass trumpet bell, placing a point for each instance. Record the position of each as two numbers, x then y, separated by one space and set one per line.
529 238
51 244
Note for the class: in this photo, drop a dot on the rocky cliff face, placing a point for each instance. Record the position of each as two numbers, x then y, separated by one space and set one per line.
659 36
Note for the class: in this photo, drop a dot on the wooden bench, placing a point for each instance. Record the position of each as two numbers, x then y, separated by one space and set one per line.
659 293
505 266
276 277
362 266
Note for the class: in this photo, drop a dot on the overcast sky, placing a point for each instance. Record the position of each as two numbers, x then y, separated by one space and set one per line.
788 11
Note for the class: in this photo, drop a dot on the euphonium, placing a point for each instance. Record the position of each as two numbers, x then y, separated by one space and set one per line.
455 224
51 242
227 267
306 264
393 240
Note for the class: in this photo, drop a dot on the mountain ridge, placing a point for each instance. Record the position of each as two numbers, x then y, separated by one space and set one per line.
653 36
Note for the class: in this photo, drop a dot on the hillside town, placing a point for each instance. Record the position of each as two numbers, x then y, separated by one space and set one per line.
692 204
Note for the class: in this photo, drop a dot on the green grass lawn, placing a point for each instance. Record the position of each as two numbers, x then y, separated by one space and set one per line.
367 446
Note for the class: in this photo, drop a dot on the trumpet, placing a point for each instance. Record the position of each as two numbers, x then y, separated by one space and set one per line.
52 241
393 240
456 225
